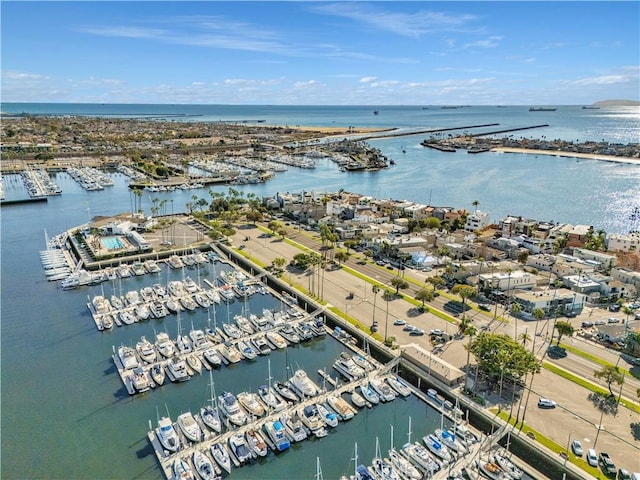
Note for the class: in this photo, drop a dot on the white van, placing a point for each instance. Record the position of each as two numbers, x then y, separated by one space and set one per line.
592 458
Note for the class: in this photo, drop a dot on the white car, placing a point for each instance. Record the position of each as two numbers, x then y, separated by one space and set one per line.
592 458
399 321
546 403
576 447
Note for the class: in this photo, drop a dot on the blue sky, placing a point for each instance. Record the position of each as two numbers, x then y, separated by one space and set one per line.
320 53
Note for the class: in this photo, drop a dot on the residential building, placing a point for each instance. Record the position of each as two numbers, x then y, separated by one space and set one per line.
558 301
604 260
505 281
628 242
477 221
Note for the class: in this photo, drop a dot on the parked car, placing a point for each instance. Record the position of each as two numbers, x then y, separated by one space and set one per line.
613 320
587 324
484 307
608 466
416 332
624 474
592 458
614 308
546 403
600 321
576 447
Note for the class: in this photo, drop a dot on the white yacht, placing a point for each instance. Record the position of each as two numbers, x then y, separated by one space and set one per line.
182 470
190 427
399 385
311 419
347 367
158 374
164 345
247 350
420 456
239 448
189 285
293 426
231 330
276 340
140 380
369 394
261 344
328 416
199 339
127 356
231 408
251 403
146 350
256 443
212 357
303 384
403 466
340 406
167 435
437 448
276 432
244 324
382 389
177 369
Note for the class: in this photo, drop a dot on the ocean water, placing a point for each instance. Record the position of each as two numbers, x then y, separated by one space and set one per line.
65 413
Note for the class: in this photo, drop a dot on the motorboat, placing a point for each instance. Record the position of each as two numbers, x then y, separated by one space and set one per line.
213 335
188 302
340 406
261 344
256 443
126 317
362 362
312 420
203 466
231 330
158 374
190 285
194 363
357 399
132 297
213 295
212 357
140 380
399 385
229 352
175 262
190 427
491 470
420 456
435 396
505 464
247 350
328 416
369 394
202 299
146 350
199 339
466 435
221 456
106 321
127 356
403 466
142 311
276 433
293 426
304 331
318 326
450 441
183 342
289 334
260 323
285 392
244 324
270 398
100 305
303 384
165 346
147 294
437 448
231 409
116 302
158 310
151 266
347 367
251 403
177 369
138 268
182 470
239 448
363 473
382 389
275 339
176 288
159 290
167 435
173 305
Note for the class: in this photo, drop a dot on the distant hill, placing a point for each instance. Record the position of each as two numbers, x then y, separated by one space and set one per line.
617 103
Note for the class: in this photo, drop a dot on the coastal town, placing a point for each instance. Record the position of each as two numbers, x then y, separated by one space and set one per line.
448 280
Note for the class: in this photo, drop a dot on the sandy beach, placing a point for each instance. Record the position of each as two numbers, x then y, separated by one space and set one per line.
558 153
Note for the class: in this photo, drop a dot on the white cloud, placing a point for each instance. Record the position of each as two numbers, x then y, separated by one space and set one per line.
627 75
412 25
367 79
490 42
14 75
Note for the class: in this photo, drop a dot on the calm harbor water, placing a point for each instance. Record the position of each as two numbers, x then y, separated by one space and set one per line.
65 413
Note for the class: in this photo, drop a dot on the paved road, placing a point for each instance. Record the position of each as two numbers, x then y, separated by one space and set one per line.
575 416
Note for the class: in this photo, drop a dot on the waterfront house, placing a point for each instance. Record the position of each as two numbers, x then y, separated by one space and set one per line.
628 242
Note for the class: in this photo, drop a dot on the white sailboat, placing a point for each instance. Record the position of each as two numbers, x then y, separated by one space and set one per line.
209 413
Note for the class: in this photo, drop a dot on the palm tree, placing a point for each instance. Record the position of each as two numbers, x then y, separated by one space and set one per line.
469 330
524 337
610 374
475 204
564 328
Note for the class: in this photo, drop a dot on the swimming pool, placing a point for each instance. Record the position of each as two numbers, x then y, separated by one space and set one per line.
111 243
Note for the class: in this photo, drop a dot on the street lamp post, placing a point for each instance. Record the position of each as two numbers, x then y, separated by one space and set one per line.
568 442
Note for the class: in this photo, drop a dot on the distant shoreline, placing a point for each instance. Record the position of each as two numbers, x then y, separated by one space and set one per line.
559 153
